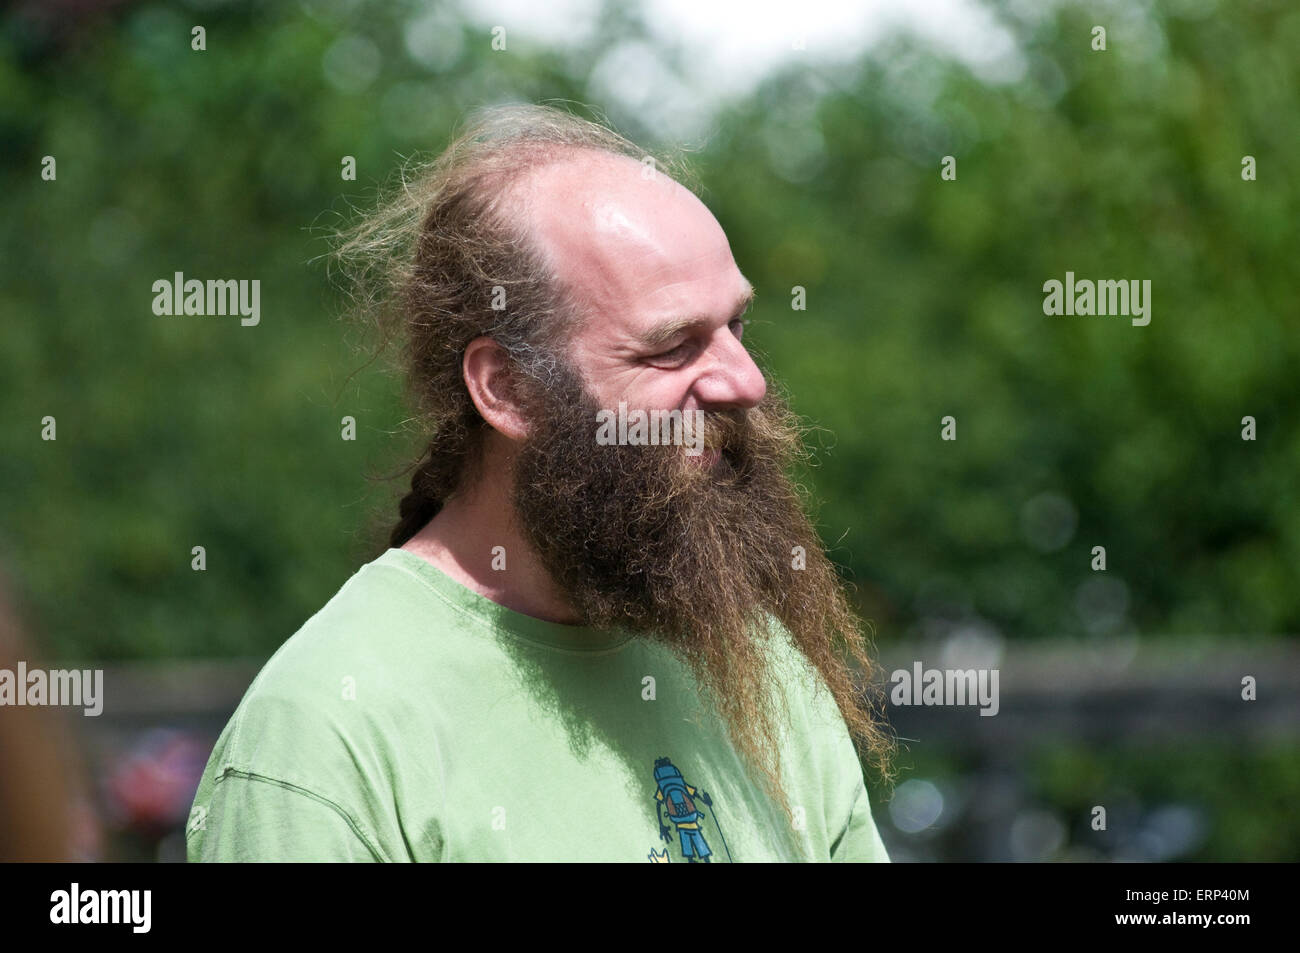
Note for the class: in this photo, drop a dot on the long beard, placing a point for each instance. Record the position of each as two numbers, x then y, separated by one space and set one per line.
690 554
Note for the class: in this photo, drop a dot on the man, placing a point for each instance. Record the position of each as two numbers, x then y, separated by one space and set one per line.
576 649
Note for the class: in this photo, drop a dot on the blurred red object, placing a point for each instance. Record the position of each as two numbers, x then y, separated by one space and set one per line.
152 789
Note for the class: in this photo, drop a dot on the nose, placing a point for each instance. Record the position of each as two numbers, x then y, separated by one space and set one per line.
729 379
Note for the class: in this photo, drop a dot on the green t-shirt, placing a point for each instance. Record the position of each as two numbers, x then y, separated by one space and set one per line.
412 719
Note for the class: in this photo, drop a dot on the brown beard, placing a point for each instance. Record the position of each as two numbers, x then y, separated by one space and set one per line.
696 557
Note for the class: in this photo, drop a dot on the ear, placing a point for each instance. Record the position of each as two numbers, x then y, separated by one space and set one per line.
493 388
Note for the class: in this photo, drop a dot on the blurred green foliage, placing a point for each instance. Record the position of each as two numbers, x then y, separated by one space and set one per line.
924 300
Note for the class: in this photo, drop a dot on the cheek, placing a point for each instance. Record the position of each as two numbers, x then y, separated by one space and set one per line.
671 390
654 389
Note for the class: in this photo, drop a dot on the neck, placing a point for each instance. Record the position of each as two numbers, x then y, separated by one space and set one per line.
461 539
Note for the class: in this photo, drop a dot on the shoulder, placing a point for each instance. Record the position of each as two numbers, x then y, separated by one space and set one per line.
819 736
326 709
340 726
826 768
805 688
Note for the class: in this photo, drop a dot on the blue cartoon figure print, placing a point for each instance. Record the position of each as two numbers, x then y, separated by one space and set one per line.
679 799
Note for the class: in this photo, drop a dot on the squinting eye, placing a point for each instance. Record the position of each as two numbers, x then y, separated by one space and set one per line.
675 352
738 325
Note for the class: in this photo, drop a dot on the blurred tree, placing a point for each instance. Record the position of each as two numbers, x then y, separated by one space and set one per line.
924 300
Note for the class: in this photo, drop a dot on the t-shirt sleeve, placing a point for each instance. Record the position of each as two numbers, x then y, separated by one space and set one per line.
831 757
861 841
254 819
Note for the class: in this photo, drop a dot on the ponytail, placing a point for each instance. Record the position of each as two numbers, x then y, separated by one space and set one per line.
416 508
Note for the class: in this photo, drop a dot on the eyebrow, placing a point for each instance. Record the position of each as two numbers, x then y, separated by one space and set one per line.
663 333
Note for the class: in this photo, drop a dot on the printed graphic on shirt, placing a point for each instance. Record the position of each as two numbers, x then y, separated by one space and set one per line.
692 824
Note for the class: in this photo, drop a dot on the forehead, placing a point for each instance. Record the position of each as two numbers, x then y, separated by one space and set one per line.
635 249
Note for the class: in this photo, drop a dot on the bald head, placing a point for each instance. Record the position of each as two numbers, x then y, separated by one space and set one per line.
648 263
620 231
